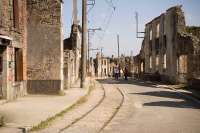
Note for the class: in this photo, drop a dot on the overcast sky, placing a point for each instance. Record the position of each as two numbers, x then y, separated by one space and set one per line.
122 21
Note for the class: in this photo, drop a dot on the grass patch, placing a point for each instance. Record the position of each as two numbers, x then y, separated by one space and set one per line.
61 93
2 121
48 122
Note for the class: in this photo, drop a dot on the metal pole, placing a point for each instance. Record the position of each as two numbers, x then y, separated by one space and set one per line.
101 61
90 30
118 44
84 43
88 52
75 12
136 17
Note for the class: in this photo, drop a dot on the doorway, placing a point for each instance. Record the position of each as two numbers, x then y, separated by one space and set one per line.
2 49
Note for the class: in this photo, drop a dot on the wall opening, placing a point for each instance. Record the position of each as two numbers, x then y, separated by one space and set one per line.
2 69
182 64
18 65
150 62
16 13
165 61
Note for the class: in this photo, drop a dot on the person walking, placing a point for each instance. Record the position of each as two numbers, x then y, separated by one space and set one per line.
126 73
116 71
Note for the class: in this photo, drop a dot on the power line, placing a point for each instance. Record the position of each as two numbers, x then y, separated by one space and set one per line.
91 4
110 3
109 17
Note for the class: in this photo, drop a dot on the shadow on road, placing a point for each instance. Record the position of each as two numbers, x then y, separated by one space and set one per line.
165 94
184 103
174 104
132 82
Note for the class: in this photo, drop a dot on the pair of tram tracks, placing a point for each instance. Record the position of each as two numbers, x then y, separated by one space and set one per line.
96 106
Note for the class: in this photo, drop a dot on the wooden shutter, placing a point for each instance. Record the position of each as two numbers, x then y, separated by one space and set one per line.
16 14
18 65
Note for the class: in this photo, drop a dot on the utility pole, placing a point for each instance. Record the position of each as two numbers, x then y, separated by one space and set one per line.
75 12
101 61
84 43
88 54
137 32
118 44
90 30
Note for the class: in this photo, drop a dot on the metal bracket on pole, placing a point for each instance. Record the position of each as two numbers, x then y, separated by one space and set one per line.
90 30
137 32
90 4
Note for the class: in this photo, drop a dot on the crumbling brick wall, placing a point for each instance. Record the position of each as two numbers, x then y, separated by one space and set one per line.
45 46
168 44
13 25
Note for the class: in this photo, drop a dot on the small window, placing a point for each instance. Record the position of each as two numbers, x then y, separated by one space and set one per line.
18 65
1 64
157 60
182 64
158 30
150 62
157 44
165 42
150 46
165 61
150 35
16 13
142 67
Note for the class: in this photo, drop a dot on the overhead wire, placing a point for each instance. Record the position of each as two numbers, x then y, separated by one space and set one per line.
108 19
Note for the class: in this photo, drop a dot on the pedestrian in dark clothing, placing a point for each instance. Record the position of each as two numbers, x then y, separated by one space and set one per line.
126 73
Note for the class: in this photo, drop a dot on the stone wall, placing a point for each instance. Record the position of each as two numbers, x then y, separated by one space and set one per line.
72 56
170 49
44 46
13 32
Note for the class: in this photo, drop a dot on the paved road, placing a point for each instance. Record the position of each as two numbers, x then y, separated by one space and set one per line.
130 107
148 109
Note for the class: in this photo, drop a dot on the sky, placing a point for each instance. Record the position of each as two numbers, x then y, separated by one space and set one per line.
121 20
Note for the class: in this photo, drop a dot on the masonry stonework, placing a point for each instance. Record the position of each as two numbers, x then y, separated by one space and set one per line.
12 48
44 46
170 49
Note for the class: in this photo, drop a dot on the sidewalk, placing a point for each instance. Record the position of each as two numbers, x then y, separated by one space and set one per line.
29 111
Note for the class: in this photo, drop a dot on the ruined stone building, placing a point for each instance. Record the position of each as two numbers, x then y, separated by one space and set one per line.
72 56
91 68
170 50
126 61
44 46
136 66
12 48
31 47
113 65
102 65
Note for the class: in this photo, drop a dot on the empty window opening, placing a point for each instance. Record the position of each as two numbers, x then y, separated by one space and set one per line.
182 64
165 61
16 13
18 65
150 35
157 60
142 67
150 62
157 30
